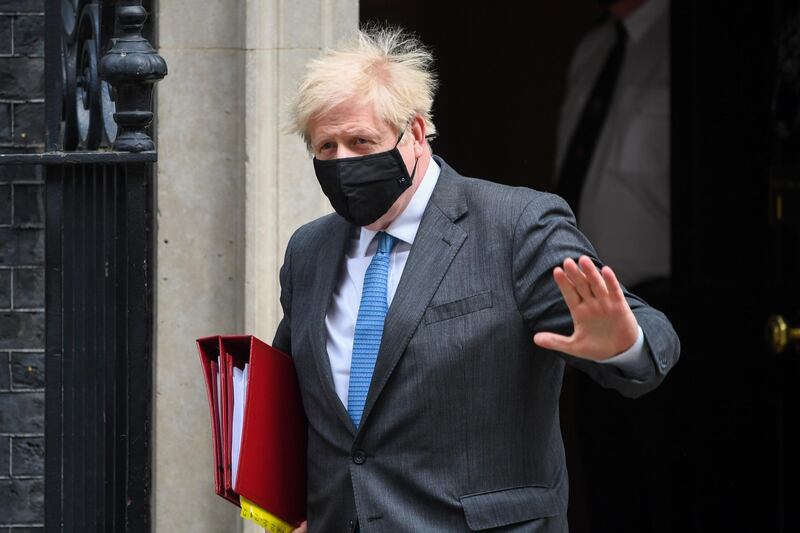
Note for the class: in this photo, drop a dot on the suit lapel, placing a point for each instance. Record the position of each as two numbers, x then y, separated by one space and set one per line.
437 242
329 267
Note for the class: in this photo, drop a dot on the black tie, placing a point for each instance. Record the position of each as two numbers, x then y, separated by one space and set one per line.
584 138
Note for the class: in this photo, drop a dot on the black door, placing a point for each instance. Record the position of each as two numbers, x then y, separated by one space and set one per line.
736 176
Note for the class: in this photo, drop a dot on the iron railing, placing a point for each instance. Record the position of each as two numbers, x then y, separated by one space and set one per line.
99 272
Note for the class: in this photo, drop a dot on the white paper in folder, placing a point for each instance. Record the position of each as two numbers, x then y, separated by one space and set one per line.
239 395
218 377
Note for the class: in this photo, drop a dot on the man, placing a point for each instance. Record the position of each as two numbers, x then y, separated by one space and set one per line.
431 316
613 142
614 171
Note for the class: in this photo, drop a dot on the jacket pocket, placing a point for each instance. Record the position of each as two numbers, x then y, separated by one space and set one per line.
499 508
459 307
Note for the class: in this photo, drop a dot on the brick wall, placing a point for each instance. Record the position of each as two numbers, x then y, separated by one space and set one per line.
21 269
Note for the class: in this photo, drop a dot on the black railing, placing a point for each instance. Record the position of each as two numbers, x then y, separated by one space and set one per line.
99 310
99 72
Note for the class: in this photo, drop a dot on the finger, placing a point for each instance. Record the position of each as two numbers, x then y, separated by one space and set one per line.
552 341
614 288
577 278
568 291
302 529
596 282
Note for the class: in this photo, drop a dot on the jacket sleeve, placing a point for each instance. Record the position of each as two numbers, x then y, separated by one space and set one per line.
283 335
544 235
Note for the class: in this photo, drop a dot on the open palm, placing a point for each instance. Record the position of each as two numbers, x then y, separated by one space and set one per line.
604 324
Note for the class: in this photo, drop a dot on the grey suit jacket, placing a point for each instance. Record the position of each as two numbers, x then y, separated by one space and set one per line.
460 430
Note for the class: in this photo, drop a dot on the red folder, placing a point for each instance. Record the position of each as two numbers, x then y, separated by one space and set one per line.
272 457
212 367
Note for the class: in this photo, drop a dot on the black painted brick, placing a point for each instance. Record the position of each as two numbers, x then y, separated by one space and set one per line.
5 465
21 246
21 78
5 288
27 370
28 123
5 204
22 501
27 6
21 330
10 173
29 288
29 205
27 456
5 34
5 377
29 35
22 412
5 121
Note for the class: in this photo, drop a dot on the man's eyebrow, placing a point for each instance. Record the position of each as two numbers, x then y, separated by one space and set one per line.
363 132
359 131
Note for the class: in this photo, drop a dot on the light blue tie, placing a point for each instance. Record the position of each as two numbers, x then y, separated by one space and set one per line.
369 327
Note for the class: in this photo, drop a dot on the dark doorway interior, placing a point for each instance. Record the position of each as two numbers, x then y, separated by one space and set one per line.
501 69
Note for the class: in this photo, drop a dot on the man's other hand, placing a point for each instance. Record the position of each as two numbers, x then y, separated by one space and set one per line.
302 529
604 324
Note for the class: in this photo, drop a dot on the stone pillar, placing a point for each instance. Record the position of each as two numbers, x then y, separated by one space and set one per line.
231 190
200 244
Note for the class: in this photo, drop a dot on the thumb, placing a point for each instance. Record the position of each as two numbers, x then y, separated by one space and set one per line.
551 341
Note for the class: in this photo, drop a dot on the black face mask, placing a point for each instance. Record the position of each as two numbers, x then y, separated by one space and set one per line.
361 189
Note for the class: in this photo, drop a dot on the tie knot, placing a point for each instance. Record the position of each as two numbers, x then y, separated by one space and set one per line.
385 242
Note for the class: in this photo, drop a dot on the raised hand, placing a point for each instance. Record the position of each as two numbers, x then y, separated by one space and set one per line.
604 324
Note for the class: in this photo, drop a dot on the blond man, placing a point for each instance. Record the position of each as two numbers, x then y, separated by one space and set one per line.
430 317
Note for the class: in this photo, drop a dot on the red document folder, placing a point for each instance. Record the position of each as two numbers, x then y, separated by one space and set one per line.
272 458
213 365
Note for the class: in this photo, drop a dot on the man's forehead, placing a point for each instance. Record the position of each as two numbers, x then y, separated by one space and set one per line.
349 121
348 128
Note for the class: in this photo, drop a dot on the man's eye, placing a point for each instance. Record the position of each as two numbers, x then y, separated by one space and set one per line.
361 141
326 146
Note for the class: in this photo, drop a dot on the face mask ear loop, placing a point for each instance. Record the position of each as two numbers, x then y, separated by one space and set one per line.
403 133
399 139
414 170
416 159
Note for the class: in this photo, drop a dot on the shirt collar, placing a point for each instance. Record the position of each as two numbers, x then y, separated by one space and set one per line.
639 22
405 226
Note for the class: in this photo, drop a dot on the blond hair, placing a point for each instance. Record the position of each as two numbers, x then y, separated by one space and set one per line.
385 67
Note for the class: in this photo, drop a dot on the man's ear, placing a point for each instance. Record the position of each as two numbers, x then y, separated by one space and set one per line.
418 129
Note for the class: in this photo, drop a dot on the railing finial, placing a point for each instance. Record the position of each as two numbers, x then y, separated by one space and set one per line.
132 66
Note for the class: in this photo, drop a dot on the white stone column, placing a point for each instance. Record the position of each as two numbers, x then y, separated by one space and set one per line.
200 246
231 190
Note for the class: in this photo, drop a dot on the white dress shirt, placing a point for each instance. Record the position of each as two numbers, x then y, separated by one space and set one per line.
340 319
624 207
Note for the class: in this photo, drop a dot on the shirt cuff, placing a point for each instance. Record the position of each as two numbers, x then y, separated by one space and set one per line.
635 361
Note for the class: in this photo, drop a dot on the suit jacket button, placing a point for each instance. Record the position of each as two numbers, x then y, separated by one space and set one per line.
359 457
